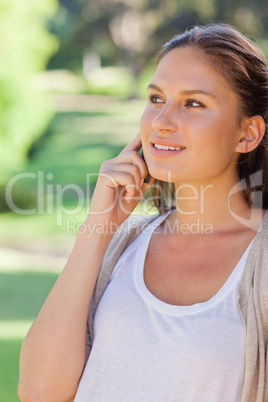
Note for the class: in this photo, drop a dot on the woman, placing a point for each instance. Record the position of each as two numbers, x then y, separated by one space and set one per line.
184 316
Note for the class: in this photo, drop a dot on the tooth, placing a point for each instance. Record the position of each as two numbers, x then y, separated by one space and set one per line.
166 147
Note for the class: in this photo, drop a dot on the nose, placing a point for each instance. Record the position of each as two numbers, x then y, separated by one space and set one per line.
165 120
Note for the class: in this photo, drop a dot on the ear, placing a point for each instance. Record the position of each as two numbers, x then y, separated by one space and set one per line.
253 129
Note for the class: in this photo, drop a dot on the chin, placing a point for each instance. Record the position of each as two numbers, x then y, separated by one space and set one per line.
163 176
170 174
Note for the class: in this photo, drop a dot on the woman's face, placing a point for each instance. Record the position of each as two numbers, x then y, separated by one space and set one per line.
192 109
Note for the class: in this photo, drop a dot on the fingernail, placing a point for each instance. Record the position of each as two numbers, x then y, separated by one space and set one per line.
128 199
141 183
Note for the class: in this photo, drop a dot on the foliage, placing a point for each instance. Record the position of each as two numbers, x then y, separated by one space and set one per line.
25 46
75 144
129 33
34 248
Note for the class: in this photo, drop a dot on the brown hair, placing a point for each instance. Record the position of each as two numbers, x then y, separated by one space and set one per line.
244 67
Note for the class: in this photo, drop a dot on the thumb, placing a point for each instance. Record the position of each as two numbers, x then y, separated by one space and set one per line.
145 186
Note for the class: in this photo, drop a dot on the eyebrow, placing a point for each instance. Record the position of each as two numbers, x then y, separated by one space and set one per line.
185 92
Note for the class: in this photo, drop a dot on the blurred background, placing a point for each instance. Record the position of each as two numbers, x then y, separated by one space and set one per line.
73 77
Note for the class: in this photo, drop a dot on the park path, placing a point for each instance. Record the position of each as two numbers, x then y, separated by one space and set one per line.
25 247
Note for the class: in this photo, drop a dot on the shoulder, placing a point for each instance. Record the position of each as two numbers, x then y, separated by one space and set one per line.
122 238
130 229
135 223
260 243
264 225
254 282
261 238
127 232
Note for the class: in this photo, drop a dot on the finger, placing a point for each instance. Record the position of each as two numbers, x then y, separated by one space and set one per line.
137 191
132 158
132 169
136 196
122 179
134 145
114 179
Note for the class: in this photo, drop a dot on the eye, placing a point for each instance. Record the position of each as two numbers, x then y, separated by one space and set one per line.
155 99
194 103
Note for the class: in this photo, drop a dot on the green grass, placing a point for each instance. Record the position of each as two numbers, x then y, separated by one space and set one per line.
21 297
22 294
71 151
74 146
34 248
9 354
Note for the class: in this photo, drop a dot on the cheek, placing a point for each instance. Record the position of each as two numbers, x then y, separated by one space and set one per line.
219 130
146 122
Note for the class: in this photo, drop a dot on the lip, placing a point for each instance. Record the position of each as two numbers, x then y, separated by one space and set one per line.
163 153
160 141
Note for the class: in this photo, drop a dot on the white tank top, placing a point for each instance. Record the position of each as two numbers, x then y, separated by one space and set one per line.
148 350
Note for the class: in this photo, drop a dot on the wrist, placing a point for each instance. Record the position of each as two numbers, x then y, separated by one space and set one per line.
97 230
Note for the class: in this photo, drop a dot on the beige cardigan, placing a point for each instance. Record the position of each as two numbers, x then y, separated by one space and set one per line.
252 301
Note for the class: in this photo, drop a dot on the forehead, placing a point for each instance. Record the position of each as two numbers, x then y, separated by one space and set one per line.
189 66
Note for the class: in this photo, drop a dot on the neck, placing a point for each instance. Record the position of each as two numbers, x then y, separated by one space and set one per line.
211 207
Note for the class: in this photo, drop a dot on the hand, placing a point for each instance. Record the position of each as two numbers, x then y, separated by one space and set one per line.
120 185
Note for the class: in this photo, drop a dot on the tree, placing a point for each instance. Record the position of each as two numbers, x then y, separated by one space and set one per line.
25 47
125 32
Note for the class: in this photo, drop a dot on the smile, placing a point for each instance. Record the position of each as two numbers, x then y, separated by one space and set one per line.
165 151
167 147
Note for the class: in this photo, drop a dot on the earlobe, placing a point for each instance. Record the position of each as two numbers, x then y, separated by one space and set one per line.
253 132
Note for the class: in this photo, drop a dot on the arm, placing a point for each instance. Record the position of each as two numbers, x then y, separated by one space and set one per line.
53 352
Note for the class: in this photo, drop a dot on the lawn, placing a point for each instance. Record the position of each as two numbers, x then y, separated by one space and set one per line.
36 241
